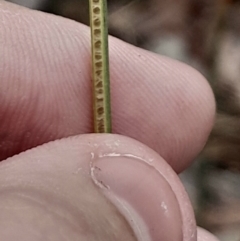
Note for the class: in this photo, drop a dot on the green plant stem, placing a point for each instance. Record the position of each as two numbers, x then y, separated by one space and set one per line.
100 66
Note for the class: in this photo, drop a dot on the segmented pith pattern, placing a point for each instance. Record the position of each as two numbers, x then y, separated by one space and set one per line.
101 88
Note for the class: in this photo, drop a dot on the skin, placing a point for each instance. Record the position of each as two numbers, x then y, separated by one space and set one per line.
67 189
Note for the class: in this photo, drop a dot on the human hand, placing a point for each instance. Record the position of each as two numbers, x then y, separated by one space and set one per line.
89 186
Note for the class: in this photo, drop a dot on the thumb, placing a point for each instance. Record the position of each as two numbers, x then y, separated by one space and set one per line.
92 187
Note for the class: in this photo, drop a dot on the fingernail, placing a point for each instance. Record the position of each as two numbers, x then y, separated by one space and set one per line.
141 194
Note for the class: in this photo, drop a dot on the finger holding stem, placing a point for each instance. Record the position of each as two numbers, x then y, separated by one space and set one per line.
100 66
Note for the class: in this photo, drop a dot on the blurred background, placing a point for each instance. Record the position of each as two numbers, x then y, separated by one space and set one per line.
206 35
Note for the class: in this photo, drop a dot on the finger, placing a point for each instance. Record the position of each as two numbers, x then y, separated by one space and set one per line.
204 235
46 89
93 187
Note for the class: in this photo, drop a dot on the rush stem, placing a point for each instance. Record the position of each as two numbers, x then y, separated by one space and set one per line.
100 66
